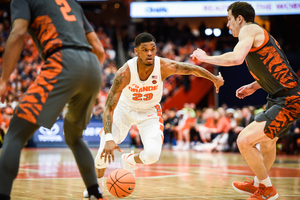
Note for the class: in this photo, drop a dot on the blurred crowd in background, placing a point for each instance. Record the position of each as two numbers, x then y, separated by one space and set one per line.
190 127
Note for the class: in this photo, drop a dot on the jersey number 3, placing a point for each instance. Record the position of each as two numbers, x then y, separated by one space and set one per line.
65 9
140 97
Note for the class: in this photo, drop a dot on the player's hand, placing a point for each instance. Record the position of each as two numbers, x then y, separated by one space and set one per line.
108 153
219 82
244 91
199 54
3 88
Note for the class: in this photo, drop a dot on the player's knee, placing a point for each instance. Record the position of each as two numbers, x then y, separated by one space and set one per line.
243 142
149 157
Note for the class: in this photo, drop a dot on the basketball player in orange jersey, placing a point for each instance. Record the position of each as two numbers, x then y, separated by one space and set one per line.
134 99
71 74
272 72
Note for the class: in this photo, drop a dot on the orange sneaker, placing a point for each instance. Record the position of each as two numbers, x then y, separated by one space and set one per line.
264 193
246 187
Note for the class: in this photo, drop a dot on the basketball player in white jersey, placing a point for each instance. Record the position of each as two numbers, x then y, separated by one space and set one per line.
134 99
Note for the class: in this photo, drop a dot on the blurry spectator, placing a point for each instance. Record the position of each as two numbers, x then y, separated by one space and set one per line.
182 117
171 122
219 134
232 133
1 138
111 53
222 124
189 108
194 133
247 118
97 111
292 139
102 95
204 129
7 113
167 130
184 131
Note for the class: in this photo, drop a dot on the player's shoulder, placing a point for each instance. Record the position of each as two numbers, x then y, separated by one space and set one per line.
122 76
251 29
165 61
124 71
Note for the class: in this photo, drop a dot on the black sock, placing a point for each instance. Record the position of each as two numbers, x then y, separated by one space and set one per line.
94 190
4 197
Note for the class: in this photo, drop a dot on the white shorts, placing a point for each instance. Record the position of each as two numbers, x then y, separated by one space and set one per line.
149 122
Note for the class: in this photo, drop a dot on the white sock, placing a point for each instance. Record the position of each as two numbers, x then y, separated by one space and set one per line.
256 181
101 180
131 160
266 182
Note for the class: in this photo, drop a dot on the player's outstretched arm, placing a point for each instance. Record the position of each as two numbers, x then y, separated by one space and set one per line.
247 90
120 81
13 49
237 56
170 67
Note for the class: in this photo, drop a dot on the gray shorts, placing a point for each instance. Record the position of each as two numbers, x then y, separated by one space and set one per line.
280 114
67 76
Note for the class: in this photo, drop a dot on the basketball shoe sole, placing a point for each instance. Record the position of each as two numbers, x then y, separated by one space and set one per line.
244 187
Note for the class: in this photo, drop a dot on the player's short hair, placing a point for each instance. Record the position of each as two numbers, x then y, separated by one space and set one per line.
244 9
143 37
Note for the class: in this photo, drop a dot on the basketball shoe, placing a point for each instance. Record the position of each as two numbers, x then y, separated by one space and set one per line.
264 193
126 165
246 187
101 187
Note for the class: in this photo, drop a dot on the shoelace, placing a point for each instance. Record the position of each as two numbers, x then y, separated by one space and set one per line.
258 192
249 180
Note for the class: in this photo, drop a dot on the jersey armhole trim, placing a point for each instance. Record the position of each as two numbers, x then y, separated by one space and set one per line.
263 44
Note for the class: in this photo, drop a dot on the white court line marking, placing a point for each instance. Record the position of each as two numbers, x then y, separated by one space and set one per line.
212 196
202 170
35 170
242 175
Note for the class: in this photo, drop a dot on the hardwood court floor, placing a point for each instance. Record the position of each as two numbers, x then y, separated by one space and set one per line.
52 173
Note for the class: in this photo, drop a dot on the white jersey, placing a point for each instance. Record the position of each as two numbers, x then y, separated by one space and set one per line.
143 94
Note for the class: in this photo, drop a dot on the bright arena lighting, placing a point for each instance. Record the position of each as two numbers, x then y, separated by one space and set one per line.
208 31
217 32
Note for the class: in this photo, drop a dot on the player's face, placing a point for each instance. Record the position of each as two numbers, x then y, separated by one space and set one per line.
233 24
146 52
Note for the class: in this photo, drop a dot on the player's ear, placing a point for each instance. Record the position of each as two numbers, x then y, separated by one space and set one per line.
136 51
240 18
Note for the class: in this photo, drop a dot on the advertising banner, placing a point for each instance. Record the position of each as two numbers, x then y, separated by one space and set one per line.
207 8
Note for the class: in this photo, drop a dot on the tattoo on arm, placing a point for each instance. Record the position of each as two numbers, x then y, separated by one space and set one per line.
111 103
188 69
117 82
107 123
183 68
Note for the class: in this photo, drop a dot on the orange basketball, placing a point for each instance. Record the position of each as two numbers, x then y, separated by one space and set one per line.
120 183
